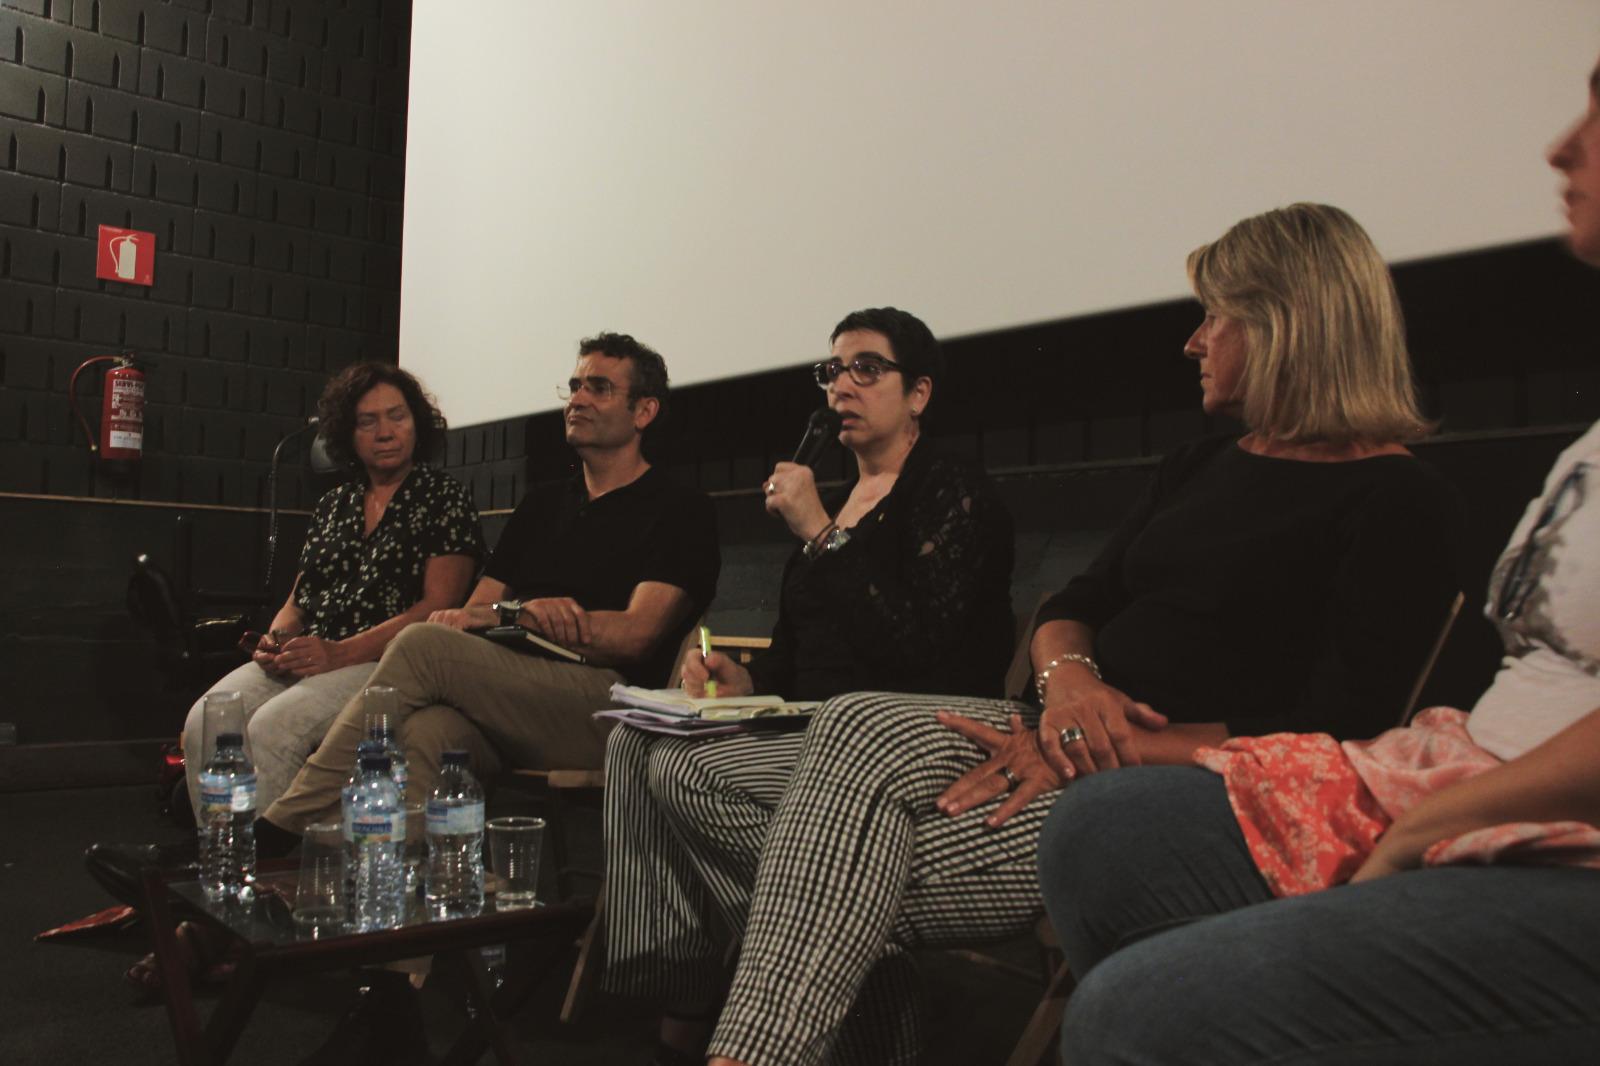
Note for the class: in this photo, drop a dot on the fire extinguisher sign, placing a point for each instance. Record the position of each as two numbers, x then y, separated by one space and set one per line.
126 255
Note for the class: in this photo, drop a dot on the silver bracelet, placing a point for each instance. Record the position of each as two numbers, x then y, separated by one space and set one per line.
1042 678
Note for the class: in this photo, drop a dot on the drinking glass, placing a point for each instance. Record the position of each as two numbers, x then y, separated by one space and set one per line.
513 873
319 899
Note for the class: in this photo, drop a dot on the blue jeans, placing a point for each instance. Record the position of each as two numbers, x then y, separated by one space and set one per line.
1184 956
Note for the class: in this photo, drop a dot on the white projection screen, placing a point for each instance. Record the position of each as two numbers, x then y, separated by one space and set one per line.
725 178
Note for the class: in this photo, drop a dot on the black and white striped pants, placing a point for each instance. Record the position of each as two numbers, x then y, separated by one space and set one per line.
824 853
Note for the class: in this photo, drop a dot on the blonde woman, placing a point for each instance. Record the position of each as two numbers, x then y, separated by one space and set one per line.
1428 896
1291 578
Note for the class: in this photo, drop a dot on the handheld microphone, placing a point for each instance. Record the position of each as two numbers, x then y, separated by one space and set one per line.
821 428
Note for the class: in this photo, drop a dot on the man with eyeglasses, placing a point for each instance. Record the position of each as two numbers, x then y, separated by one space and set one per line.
615 564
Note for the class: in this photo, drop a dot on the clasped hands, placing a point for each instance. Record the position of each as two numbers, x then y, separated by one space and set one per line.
557 618
1037 760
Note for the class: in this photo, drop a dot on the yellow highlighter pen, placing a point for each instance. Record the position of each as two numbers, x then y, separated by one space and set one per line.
705 650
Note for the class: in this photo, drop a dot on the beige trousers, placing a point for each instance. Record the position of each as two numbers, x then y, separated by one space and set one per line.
459 691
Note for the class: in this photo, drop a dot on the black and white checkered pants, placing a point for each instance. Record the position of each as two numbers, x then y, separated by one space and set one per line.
824 853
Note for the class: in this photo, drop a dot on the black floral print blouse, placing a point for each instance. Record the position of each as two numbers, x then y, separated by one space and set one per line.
350 582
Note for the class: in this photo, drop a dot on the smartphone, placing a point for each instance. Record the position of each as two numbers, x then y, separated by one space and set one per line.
251 641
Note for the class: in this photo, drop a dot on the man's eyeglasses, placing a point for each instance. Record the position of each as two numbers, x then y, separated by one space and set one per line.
864 370
600 388
1520 581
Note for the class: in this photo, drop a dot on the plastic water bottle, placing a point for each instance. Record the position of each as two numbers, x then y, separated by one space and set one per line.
384 735
375 833
363 749
455 841
381 710
227 820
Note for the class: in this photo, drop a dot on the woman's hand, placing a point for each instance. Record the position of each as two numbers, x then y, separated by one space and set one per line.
1016 751
265 655
309 656
1105 715
791 492
731 678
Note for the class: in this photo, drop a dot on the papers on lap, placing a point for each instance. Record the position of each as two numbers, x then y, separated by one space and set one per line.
523 640
676 713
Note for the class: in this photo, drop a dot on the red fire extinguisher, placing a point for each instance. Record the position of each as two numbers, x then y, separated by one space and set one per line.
121 409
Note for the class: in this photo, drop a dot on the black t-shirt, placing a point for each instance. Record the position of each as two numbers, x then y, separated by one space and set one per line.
561 543
918 600
1273 594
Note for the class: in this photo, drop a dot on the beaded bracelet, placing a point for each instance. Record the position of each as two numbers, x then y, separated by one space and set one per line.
1042 678
814 546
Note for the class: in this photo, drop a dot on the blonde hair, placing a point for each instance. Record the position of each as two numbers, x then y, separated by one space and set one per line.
1325 347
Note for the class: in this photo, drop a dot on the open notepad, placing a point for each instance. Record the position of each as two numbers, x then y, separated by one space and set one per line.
676 713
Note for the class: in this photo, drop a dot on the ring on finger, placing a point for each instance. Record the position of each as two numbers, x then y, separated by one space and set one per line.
1012 780
771 488
1071 735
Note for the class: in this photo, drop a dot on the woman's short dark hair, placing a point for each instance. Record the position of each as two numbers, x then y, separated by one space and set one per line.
336 410
915 347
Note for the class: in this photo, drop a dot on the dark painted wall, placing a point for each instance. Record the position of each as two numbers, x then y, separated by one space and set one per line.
263 142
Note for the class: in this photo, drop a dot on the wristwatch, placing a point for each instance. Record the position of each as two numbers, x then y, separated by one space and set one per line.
509 611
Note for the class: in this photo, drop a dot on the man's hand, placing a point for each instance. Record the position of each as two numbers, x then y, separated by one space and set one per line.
1104 714
731 678
1016 751
557 618
480 617
309 656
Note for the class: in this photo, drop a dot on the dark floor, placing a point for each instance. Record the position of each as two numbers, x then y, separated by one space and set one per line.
65 1002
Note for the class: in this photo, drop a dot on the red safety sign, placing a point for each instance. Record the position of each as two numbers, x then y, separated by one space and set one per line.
127 255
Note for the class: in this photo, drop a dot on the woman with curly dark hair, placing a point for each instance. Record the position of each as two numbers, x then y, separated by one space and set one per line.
396 542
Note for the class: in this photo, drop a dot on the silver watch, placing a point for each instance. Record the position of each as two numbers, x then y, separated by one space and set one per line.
509 611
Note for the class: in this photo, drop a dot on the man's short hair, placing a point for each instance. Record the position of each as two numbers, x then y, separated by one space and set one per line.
649 370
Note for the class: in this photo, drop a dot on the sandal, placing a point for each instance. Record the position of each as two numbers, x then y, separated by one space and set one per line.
208 957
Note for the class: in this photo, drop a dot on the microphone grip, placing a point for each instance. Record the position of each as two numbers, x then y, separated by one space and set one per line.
821 429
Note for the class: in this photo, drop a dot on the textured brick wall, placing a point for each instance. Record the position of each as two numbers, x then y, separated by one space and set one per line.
263 142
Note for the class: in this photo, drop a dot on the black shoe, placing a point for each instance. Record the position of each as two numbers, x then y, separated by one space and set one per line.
119 868
383 1028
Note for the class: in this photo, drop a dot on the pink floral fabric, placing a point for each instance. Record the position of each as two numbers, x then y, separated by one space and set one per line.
1312 808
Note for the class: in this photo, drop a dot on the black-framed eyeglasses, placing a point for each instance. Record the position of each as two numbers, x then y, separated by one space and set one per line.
865 370
600 388
1520 581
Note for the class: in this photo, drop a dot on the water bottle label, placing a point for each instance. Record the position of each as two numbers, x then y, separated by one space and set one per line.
244 793
216 797
375 829
454 821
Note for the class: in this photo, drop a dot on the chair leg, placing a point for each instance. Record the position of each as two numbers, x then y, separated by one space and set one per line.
1037 1046
558 841
586 970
